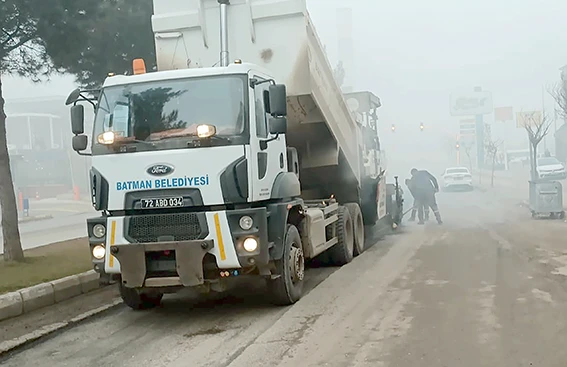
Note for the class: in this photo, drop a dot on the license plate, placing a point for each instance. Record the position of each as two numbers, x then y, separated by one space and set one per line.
161 265
458 178
158 203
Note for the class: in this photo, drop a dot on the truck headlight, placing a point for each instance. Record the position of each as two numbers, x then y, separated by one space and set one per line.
99 230
250 244
246 222
206 131
106 138
99 252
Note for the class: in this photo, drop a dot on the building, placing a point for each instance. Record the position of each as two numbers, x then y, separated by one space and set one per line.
39 143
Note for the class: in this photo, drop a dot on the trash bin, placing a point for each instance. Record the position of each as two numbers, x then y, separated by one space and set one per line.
546 197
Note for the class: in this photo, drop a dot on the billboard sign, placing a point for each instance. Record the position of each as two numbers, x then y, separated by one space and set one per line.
471 103
529 118
503 114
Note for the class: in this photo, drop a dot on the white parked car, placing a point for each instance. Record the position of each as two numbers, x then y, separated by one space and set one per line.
551 168
457 177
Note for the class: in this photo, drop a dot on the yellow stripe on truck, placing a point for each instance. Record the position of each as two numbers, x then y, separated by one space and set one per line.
112 242
219 236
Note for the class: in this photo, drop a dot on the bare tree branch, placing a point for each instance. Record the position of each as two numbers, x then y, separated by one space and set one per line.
537 129
492 147
559 94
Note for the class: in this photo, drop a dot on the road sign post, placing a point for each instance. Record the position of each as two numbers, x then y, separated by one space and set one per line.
480 139
477 103
458 149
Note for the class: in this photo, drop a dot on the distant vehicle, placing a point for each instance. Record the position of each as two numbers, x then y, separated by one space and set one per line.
550 168
518 158
457 178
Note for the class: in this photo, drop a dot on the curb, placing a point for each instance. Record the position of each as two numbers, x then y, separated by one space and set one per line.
25 300
35 218
10 345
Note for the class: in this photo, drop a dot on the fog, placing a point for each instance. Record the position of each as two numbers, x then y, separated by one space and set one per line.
414 54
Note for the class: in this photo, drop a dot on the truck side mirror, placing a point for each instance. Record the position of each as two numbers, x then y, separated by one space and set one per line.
73 97
278 100
80 143
78 119
278 125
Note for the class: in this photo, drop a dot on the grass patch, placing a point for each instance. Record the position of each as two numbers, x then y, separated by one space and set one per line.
45 263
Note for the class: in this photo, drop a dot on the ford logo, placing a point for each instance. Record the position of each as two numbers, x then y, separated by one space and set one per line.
160 170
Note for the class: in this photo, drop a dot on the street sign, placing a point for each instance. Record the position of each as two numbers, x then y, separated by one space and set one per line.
471 103
503 114
531 118
467 127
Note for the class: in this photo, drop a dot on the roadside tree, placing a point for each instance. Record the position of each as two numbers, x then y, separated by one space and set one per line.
537 128
85 38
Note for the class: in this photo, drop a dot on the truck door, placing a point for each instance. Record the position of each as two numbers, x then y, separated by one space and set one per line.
265 164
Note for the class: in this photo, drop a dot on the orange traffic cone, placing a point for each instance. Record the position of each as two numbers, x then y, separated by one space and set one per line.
21 201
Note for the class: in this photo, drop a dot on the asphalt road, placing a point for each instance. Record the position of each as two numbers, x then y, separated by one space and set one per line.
66 224
487 288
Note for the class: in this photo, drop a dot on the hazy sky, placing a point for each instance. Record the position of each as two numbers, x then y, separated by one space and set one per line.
414 53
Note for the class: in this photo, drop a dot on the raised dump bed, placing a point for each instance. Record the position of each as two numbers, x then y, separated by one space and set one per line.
277 35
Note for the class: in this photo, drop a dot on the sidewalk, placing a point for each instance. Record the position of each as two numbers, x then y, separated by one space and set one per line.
51 290
58 207
39 233
512 183
53 208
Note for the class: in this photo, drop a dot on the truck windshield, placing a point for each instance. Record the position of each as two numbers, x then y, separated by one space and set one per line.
165 114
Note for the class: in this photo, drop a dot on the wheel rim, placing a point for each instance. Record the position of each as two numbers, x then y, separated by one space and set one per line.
296 264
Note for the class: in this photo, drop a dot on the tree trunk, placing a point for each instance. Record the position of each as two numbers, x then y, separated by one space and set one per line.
534 162
468 153
10 231
493 164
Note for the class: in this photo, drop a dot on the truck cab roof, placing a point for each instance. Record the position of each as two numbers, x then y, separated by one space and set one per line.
233 68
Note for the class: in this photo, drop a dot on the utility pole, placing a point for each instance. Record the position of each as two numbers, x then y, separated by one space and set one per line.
543 116
458 148
479 135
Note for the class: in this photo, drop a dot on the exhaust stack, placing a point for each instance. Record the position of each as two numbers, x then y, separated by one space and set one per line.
223 4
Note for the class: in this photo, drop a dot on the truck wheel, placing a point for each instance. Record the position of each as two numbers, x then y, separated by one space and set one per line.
288 287
358 225
343 252
139 301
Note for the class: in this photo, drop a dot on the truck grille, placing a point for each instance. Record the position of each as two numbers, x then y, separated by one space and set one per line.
166 227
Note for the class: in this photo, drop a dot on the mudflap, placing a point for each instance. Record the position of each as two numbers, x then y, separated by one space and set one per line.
394 203
189 261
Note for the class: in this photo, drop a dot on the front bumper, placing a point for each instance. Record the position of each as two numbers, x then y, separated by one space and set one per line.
553 175
211 245
188 263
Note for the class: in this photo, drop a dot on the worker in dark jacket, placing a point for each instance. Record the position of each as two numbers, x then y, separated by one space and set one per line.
414 209
425 186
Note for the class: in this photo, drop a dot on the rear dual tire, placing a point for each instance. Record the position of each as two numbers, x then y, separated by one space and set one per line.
343 251
358 227
350 235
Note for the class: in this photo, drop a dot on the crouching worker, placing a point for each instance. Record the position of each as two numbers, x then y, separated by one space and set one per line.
425 187
414 209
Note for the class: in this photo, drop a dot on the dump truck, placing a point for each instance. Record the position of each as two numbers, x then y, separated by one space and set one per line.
210 169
